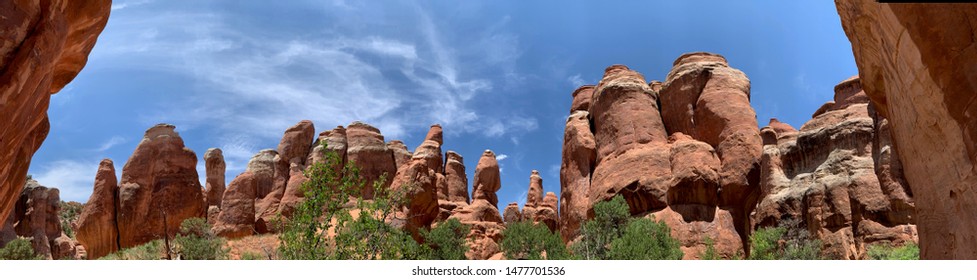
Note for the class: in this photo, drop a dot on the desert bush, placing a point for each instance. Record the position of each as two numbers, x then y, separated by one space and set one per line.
359 231
196 241
885 251
527 240
446 241
610 220
790 241
152 250
644 239
251 256
19 249
710 252
69 214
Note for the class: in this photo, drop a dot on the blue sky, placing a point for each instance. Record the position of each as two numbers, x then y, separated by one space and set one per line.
495 74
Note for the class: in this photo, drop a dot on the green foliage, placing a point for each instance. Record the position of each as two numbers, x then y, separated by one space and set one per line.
19 249
710 252
152 250
526 240
644 239
446 241
787 242
359 231
252 256
196 241
69 214
885 251
610 220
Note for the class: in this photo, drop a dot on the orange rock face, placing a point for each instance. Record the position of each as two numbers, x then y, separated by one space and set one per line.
694 161
159 179
214 162
483 215
838 177
369 152
36 216
916 65
237 216
44 45
419 180
97 230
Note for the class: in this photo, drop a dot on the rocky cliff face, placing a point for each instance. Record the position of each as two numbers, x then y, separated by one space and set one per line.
44 45
685 151
36 216
916 64
482 215
98 229
538 209
838 177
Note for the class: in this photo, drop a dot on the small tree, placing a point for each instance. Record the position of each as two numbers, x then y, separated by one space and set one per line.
327 226
610 219
19 249
447 240
526 240
645 239
196 241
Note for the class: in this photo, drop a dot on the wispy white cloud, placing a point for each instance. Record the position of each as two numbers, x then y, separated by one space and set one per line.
258 86
112 142
576 80
73 178
130 3
501 157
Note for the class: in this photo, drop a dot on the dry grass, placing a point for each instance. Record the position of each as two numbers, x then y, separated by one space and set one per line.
264 246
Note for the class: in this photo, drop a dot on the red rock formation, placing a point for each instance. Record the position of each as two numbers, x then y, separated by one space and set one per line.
419 180
579 158
483 215
214 162
45 44
455 188
829 176
369 152
293 151
237 216
916 63
705 98
335 140
537 208
631 157
35 216
511 213
401 154
160 178
97 230
619 146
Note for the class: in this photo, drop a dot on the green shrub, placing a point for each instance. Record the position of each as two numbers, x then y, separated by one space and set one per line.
447 241
196 241
251 256
610 220
69 214
367 236
152 250
644 239
787 242
526 240
885 251
710 252
19 249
